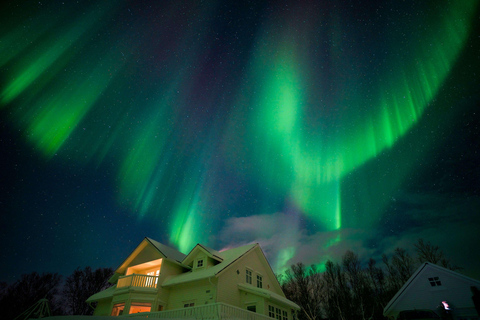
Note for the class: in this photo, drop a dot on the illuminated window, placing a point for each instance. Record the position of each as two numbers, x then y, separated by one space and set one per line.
435 282
271 311
117 309
248 276
259 281
137 307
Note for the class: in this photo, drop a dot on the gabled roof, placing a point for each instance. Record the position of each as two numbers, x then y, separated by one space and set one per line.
228 257
161 249
214 254
168 252
417 274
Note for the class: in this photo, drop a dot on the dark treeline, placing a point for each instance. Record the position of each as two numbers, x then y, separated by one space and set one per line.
64 297
352 289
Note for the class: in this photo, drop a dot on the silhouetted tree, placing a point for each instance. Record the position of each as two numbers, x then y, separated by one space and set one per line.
82 284
302 285
376 278
353 289
427 252
336 292
399 269
28 290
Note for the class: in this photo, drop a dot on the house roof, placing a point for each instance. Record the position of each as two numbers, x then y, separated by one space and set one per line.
213 254
107 293
168 252
227 257
268 294
425 266
165 251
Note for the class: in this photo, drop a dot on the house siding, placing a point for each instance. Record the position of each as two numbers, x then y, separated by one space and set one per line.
200 292
228 291
103 308
169 269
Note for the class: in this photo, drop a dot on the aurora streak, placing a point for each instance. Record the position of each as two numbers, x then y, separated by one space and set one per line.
187 116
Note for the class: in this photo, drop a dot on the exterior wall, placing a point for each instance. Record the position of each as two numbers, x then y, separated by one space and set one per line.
421 295
227 289
168 269
199 292
211 262
103 308
248 299
229 293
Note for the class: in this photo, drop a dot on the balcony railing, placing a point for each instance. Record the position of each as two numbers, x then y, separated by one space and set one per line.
137 280
214 311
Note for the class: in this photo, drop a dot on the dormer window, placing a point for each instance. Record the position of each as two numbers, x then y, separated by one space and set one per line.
435 281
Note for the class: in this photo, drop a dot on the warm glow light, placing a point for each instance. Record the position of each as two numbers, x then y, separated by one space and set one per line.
138 307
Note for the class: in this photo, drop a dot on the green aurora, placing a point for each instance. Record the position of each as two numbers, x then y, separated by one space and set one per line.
300 115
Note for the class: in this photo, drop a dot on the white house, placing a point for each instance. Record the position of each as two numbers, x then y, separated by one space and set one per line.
432 287
235 283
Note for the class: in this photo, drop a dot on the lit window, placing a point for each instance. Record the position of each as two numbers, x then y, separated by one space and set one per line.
117 309
137 307
435 281
248 277
200 263
271 311
259 281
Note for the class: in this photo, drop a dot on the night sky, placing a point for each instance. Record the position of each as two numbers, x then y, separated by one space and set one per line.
310 127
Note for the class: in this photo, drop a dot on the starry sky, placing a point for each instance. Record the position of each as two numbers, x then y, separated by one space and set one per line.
310 127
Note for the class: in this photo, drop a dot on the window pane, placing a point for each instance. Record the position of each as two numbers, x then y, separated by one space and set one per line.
117 309
137 307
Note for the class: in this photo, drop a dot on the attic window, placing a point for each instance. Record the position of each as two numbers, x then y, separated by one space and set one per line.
259 281
200 263
435 282
248 276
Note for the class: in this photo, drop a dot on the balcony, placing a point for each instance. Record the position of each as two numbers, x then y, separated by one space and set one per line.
137 281
214 311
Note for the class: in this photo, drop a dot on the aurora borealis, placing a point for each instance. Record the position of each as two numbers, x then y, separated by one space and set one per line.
310 127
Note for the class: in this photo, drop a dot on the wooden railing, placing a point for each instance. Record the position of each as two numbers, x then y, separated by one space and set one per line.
137 280
214 311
